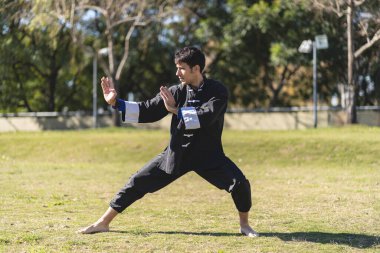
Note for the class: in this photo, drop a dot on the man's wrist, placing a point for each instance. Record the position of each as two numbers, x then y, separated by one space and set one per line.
173 110
114 104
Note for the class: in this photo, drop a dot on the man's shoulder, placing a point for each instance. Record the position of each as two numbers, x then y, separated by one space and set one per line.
213 82
176 87
216 85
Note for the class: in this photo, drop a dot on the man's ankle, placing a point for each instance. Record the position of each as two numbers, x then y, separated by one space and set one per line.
101 222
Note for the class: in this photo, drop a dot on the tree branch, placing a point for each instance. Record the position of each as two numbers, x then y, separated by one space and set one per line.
369 44
283 79
292 72
126 42
364 30
122 21
108 33
330 7
359 2
33 66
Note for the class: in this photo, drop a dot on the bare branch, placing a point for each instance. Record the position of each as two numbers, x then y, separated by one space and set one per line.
330 7
126 41
109 4
359 2
110 45
122 21
364 29
369 44
337 4
161 14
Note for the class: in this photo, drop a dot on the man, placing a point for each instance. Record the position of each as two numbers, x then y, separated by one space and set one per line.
198 106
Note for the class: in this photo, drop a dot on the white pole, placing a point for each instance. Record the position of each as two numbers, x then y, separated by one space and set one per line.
315 95
94 90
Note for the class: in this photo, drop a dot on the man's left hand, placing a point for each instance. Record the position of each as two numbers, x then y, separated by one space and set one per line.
168 100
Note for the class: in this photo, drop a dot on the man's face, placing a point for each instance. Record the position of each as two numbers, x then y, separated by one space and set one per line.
185 74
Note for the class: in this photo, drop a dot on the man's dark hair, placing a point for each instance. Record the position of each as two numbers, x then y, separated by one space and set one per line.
191 56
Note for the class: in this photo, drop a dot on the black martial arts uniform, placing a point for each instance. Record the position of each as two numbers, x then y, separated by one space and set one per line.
195 144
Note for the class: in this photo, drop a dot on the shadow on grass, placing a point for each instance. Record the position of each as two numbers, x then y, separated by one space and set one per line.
176 233
353 240
196 233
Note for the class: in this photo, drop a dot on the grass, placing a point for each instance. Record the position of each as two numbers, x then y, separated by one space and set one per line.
313 191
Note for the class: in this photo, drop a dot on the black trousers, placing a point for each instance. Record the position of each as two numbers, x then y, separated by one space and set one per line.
151 178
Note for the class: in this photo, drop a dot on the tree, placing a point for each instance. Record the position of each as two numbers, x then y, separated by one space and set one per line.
106 22
253 49
362 18
41 60
11 82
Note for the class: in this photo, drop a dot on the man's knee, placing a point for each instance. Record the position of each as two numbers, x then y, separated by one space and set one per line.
241 194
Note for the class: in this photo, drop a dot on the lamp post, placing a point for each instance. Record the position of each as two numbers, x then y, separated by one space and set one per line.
94 91
103 51
315 92
320 42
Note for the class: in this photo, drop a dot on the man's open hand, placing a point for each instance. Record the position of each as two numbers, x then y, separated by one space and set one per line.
109 91
168 100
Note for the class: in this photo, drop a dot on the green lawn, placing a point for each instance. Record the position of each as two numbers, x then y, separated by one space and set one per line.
313 191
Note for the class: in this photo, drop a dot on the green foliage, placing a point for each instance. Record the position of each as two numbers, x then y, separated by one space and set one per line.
251 46
38 62
280 55
259 48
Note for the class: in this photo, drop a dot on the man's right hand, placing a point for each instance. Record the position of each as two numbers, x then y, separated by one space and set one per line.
109 91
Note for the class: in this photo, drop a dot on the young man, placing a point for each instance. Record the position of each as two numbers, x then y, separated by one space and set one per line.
198 105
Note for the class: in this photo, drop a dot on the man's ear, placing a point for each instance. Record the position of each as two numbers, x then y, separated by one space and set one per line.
197 68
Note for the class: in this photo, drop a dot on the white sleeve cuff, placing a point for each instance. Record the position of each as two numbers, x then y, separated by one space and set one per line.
132 112
190 117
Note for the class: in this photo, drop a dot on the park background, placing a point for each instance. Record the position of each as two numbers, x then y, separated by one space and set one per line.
313 190
53 54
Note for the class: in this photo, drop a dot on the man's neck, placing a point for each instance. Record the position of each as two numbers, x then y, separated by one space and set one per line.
197 82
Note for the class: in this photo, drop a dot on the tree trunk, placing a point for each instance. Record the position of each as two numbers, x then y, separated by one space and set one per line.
274 100
22 90
52 86
351 96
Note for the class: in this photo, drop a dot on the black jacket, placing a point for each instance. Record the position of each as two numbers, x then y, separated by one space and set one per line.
191 148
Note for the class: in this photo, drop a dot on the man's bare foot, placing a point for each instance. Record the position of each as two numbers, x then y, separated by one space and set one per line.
248 231
94 228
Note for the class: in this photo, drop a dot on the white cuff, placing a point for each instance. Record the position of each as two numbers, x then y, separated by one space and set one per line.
190 117
132 112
